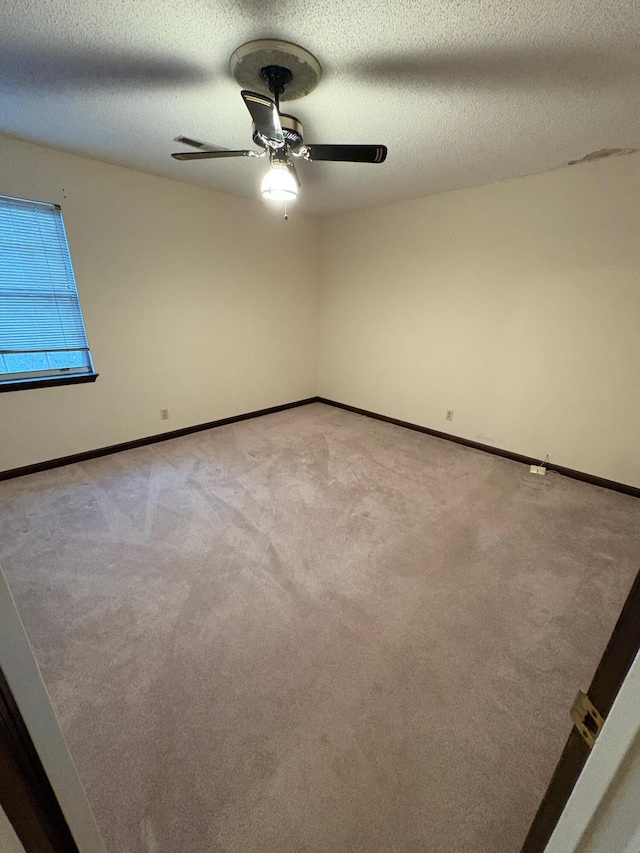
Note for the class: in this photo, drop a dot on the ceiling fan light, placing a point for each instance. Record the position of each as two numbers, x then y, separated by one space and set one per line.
279 184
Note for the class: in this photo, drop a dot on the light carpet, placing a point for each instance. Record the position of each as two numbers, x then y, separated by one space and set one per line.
313 632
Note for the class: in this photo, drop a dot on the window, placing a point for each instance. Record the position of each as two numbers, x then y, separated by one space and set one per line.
42 336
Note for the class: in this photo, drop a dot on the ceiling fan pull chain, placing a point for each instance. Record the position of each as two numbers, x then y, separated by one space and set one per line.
286 215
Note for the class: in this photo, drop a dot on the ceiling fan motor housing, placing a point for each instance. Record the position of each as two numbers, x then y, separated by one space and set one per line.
291 128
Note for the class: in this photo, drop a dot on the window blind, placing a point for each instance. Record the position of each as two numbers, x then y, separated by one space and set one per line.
41 327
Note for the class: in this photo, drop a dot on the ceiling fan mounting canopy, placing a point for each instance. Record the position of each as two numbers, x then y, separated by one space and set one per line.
249 60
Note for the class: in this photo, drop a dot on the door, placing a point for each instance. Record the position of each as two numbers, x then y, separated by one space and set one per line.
611 672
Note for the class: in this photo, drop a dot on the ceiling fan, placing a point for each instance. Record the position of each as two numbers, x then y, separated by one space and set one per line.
269 63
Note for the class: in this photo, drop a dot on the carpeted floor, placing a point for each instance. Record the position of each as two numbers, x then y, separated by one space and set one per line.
315 633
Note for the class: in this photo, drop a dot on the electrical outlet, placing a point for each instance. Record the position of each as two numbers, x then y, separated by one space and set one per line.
449 415
164 414
538 469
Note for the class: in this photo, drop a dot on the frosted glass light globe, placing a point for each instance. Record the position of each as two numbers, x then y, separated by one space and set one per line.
279 184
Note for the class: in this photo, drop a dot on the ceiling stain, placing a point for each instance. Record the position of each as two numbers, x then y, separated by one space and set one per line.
601 154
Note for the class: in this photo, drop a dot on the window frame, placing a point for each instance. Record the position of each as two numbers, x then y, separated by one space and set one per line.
44 382
51 377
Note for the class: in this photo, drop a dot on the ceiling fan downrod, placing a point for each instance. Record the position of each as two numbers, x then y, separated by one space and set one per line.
277 78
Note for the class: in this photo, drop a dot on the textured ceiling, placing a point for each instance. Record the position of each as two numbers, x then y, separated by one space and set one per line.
462 92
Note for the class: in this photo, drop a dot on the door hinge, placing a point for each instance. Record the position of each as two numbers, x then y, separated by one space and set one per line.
586 718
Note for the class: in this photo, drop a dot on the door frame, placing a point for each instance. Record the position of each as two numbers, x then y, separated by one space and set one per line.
617 660
26 795
29 715
601 814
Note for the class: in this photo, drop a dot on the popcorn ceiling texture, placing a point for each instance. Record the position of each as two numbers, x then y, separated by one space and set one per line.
463 93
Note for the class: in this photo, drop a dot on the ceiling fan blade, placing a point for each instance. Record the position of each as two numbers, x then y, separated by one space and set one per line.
212 155
265 117
195 143
346 153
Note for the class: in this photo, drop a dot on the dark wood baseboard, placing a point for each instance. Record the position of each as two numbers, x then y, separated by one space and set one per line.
634 491
141 442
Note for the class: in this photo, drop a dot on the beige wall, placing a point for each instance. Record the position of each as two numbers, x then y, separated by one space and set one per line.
193 301
515 304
